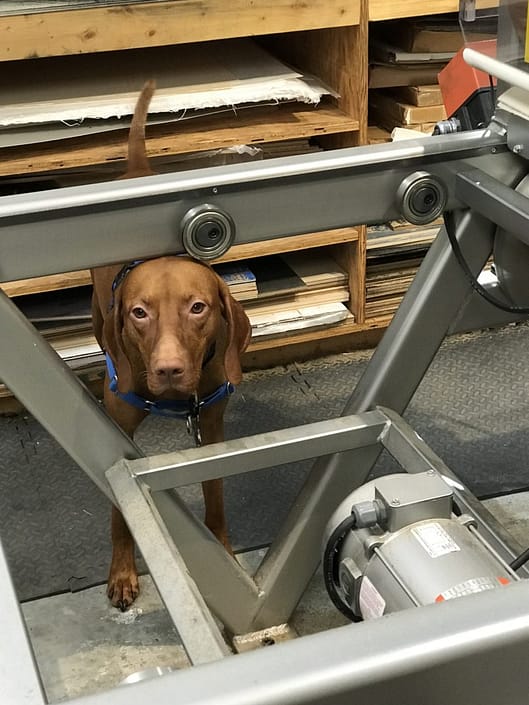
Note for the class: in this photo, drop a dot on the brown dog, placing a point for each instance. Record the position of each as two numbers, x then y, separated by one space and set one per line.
173 335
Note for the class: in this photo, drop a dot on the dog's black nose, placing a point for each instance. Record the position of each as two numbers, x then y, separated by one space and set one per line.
169 369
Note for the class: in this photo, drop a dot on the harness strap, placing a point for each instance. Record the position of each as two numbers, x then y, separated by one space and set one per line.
120 276
172 408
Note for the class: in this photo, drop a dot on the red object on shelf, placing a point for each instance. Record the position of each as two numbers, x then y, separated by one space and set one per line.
459 81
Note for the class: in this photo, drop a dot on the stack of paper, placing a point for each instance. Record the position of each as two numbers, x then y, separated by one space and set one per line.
301 318
395 251
293 291
81 96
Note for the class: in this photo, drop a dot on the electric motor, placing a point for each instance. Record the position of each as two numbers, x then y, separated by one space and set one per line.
396 543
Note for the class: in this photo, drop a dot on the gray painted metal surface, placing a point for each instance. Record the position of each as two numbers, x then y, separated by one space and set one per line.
198 630
369 431
87 226
19 680
464 651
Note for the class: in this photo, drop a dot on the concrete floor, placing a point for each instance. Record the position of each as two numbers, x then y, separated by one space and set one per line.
82 645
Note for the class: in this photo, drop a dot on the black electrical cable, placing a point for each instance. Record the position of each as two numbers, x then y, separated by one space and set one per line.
520 560
331 566
492 89
523 557
474 282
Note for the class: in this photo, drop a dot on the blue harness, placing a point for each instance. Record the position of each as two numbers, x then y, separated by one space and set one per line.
170 408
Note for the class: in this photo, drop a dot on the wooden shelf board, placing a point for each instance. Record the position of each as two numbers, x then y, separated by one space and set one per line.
252 126
315 334
378 321
40 285
290 244
385 10
63 32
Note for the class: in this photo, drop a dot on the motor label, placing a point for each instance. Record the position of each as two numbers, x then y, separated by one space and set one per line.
469 587
372 604
434 539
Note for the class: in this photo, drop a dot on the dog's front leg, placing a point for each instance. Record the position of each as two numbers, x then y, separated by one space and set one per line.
215 518
123 585
212 431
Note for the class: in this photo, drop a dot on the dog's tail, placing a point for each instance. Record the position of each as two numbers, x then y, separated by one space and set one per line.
138 163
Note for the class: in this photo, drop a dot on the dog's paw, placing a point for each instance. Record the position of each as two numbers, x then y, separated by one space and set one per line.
123 589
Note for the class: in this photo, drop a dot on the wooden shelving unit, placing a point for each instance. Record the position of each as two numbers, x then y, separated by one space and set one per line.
328 38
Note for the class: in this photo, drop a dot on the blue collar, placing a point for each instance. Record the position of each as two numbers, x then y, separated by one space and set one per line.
172 408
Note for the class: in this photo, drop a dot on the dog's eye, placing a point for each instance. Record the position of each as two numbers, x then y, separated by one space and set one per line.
138 312
198 307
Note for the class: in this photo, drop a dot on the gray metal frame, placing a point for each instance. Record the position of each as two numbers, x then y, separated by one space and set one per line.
88 226
136 482
456 644
466 651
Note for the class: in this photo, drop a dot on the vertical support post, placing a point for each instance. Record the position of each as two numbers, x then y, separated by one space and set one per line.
398 365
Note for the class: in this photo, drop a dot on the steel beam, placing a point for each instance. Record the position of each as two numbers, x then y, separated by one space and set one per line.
240 455
46 386
467 650
88 226
496 201
198 630
19 679
390 379
229 591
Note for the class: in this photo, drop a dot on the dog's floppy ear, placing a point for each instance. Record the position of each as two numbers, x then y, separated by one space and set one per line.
113 343
239 333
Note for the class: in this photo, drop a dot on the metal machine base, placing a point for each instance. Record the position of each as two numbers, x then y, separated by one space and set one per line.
444 642
476 177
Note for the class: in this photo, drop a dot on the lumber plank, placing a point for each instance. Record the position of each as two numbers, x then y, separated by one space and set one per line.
147 24
53 282
202 134
386 10
292 243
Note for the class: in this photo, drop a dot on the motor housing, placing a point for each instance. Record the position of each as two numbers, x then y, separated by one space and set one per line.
396 543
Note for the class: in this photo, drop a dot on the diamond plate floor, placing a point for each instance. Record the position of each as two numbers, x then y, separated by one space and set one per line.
472 408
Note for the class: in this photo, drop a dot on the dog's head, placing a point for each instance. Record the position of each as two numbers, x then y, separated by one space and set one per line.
174 323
